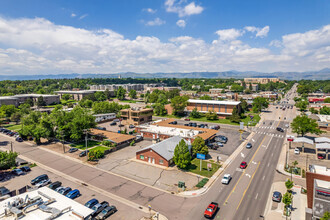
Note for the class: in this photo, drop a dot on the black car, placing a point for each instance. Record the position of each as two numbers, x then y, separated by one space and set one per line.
25 169
19 139
279 129
186 125
84 153
72 149
277 196
105 213
121 125
55 185
212 146
65 191
39 178
113 123
174 122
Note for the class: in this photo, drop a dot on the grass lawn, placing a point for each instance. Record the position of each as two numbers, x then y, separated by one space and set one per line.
81 144
170 116
127 101
195 168
64 102
102 148
254 121
13 127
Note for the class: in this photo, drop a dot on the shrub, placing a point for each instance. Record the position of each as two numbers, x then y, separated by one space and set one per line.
95 154
202 182
132 143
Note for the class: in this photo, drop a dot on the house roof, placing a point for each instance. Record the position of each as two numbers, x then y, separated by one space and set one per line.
165 148
112 136
214 102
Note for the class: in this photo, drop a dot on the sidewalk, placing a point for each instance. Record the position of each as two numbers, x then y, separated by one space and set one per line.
274 210
299 203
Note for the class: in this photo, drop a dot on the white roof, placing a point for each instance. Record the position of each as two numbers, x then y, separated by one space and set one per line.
214 102
322 146
61 202
322 140
322 183
303 140
171 131
320 170
105 114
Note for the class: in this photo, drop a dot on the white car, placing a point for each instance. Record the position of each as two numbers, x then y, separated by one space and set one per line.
287 125
226 179
43 183
296 151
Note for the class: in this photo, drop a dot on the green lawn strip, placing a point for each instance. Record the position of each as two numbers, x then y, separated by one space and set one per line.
13 127
128 101
102 148
81 145
194 167
220 121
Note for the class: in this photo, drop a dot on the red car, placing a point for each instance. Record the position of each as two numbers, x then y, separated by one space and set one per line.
187 119
321 156
243 165
211 209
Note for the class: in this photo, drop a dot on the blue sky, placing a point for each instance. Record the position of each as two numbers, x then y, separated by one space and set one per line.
99 36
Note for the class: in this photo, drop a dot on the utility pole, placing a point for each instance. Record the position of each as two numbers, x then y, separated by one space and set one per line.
63 141
86 134
11 146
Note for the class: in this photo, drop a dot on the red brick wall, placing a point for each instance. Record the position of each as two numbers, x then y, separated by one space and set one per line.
310 185
150 153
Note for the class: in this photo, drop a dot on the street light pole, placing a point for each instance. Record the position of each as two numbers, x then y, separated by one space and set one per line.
86 134
63 141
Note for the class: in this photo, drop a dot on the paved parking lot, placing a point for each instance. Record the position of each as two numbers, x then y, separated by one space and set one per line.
114 128
124 211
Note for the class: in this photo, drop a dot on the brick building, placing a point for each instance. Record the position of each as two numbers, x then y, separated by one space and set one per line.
261 80
136 115
222 108
160 153
318 191
76 95
21 98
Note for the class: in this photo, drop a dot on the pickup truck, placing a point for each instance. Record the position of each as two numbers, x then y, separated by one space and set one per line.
211 210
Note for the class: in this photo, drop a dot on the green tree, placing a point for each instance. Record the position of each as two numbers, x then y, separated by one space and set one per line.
41 102
313 111
250 87
7 159
86 103
259 103
159 109
327 100
66 97
288 184
178 104
120 93
237 88
16 117
132 94
302 105
195 114
29 101
95 154
182 157
100 96
198 146
162 99
7 110
287 199
235 117
302 125
153 97
247 91
172 93
325 110
205 97
326 216
108 94
211 115
244 105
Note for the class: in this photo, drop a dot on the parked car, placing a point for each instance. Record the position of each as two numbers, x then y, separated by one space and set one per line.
25 169
4 191
211 210
113 123
219 144
59 189
91 203
174 122
226 179
201 126
65 191
55 185
320 156
84 153
101 128
139 138
212 146
43 183
19 139
98 208
186 124
131 126
243 165
279 129
73 194
39 178
194 125
116 120
17 172
221 139
73 149
121 125
215 127
296 151
249 145
277 196
187 119
105 213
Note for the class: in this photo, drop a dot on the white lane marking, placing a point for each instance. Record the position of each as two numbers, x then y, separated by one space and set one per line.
263 145
263 178
272 135
248 175
268 165
257 195
253 140
254 162
242 155
239 170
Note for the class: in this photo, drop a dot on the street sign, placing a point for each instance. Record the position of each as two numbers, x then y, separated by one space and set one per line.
241 125
201 156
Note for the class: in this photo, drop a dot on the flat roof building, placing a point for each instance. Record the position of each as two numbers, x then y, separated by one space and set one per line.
21 98
136 115
76 95
117 138
261 80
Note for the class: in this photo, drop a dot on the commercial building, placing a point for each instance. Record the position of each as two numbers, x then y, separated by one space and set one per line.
222 108
162 129
104 117
261 80
160 153
42 203
117 138
76 95
136 115
21 98
318 191
128 87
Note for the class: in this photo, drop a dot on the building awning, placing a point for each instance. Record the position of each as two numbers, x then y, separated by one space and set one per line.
322 140
303 140
322 146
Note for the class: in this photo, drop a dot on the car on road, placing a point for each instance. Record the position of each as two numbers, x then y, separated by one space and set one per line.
65 190
4 191
99 207
277 196
320 156
84 153
226 179
187 119
211 210
243 165
17 172
287 125
19 139
296 151
105 213
39 178
113 123
249 145
91 203
43 183
73 149
55 185
279 129
26 169
73 194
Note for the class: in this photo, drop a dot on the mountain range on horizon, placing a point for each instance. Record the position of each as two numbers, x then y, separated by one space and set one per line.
311 75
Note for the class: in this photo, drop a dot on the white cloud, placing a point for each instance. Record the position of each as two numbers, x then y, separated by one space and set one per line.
38 46
181 9
229 34
260 32
150 10
181 23
73 15
155 22
83 16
